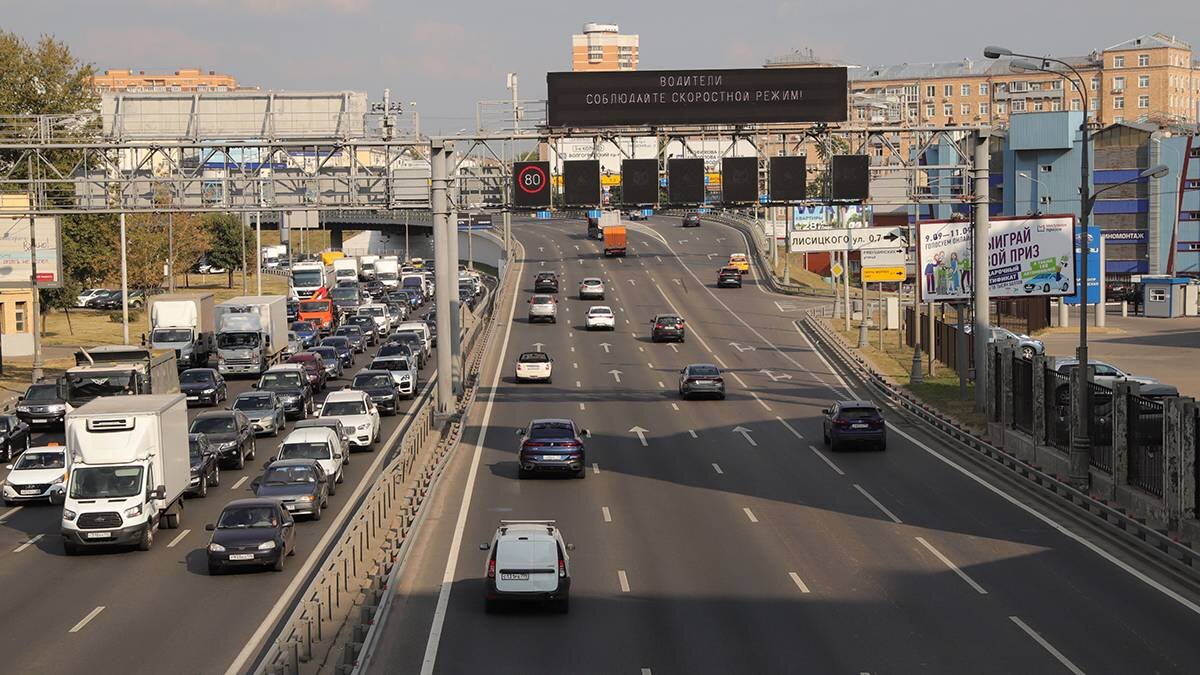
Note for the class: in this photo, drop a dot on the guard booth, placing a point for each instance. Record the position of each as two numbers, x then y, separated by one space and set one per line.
1164 297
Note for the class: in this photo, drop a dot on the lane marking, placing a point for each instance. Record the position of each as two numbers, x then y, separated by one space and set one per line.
595 468
582 407
760 401
955 568
827 460
645 671
607 515
721 361
624 581
693 433
735 376
717 468
673 347
572 349
10 513
238 484
650 366
574 365
640 349
1046 645
749 514
91 615
799 582
32 540
790 428
578 384
675 406
178 538
661 385
881 507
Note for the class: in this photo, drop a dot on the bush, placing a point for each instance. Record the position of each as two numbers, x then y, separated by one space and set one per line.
134 315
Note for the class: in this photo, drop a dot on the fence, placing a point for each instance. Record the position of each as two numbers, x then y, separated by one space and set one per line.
1057 404
1024 315
1100 426
1145 433
1022 394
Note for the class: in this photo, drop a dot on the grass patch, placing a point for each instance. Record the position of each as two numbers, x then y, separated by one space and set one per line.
18 373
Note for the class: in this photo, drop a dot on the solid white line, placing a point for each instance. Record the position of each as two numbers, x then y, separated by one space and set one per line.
595 468
9 513
760 401
827 460
881 507
439 614
738 378
178 538
645 671
799 582
624 580
675 406
1046 645
238 484
749 514
32 540
946 561
91 615
693 433
607 514
717 468
720 361
790 428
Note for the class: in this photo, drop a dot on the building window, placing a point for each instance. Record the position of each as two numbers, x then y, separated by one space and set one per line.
1035 86
1118 119
983 108
1046 168
1076 104
1094 105
1056 85
1095 83
20 314
965 109
1143 81
1018 86
1056 104
1001 87
983 88
1038 106
930 110
1143 101
1118 103
1118 84
1018 106
948 110
965 90
1118 62
931 91
1143 60
1001 108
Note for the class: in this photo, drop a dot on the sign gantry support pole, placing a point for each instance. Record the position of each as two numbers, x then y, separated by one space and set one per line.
980 264
450 265
439 182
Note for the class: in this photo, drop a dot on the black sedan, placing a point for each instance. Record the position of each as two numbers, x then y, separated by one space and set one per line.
206 467
41 406
345 349
14 436
691 220
366 325
299 484
251 533
701 379
203 385
667 327
355 335
230 433
381 387
729 276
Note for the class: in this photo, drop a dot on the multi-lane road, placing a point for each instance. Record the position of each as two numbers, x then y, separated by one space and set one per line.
129 611
725 538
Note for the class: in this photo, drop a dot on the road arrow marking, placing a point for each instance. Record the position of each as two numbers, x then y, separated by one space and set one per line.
674 348
616 375
632 283
537 346
683 241
720 239
740 348
606 346
540 249
745 434
677 282
775 378
641 434
712 255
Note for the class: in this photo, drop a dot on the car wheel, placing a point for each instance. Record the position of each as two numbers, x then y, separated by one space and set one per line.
250 455
316 514
581 473
278 566
216 476
147 540
275 429
239 461
883 445
203 491
69 547
1046 288
825 437
1027 352
720 397
332 488
341 475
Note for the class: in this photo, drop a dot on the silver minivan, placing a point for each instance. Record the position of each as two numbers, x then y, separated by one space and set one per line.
543 308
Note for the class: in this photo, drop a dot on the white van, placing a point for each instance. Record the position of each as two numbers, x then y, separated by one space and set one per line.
420 328
528 561
319 443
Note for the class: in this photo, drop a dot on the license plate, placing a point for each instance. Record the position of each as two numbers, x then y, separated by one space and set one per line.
552 458
30 492
99 535
39 421
193 398
290 507
241 556
858 426
513 576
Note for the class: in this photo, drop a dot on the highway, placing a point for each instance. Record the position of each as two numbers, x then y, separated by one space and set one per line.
122 611
730 540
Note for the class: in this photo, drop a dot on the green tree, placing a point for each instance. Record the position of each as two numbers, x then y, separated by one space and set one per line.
227 233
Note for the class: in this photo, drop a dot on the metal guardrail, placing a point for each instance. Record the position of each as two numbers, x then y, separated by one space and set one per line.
1175 556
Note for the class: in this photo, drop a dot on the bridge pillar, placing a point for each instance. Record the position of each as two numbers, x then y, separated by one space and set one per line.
335 238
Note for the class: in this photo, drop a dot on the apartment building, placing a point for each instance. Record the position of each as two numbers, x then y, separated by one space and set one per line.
602 47
184 79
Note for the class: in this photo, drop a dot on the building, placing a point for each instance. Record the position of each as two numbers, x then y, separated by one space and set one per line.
186 79
602 47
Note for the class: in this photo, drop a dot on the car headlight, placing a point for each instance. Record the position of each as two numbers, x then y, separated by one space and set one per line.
58 481
57 408
364 427
216 548
210 390
23 408
387 397
68 515
133 511
228 445
305 498
266 546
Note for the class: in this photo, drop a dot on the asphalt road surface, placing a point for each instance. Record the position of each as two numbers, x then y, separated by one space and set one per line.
731 540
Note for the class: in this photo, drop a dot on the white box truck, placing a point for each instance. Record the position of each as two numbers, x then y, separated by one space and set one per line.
130 468
309 277
118 370
345 269
184 324
366 267
387 271
251 333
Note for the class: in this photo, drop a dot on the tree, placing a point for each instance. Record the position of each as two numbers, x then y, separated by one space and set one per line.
227 233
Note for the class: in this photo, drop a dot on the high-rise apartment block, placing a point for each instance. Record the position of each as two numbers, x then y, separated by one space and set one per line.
602 47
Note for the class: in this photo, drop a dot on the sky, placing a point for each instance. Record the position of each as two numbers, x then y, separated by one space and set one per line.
447 55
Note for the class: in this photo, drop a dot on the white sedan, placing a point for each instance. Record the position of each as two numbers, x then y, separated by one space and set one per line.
535 366
356 412
601 318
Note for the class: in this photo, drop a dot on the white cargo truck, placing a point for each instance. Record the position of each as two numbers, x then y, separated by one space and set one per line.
366 267
345 270
251 333
184 324
309 277
387 271
130 468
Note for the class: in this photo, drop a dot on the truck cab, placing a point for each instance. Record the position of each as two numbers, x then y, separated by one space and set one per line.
320 312
183 324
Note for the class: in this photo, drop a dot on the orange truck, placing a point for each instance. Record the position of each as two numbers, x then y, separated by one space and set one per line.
320 310
614 240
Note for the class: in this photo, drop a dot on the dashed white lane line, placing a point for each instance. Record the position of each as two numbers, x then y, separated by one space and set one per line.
881 507
641 349
578 384
574 365
674 348
790 428
738 378
607 514
238 484
624 581
675 406
1046 645
626 320
646 671
32 540
720 361
595 468
749 514
760 401
10 513
799 582
83 622
693 433
717 468
570 334
955 568
650 366
178 538
582 407
661 385
827 460
572 349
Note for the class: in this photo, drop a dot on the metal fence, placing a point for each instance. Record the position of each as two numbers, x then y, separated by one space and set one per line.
997 386
1022 394
1145 437
1057 405
1100 428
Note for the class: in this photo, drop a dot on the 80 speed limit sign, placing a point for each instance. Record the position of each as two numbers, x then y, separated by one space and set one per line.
531 185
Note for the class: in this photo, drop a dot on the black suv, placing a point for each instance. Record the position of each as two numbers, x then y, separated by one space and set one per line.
379 385
292 388
691 220
729 276
854 422
230 434
545 282
667 327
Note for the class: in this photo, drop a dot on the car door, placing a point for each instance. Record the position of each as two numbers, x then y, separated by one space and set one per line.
288 526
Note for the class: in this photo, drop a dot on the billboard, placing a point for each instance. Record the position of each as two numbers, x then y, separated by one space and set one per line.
581 182
15 260
609 151
658 97
821 216
1027 256
844 239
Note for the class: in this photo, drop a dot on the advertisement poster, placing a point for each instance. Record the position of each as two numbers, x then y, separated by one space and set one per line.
1027 256
820 217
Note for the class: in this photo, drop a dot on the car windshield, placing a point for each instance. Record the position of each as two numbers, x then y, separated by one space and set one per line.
370 311
534 357
336 342
354 331
195 449
372 381
344 293
241 517
314 306
591 282
217 424
542 300
305 451
341 408
252 403
393 349
196 377
361 321
703 371
86 386
171 335
668 320
289 475
600 311
390 364
237 340
280 381
551 430
303 327
858 413
106 482
42 392
326 353
40 460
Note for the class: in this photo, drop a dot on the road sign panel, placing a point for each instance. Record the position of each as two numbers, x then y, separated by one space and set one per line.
531 185
884 257
854 239
836 269
880 274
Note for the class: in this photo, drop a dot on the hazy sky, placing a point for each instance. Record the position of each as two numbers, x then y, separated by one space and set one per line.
446 55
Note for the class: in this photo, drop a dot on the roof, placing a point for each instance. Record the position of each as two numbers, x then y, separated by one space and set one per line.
348 394
857 404
129 405
949 69
1152 41
217 413
251 501
297 461
306 434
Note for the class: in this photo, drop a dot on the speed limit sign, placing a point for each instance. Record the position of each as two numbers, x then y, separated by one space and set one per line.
531 185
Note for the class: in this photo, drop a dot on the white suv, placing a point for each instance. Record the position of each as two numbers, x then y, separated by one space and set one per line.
354 409
528 561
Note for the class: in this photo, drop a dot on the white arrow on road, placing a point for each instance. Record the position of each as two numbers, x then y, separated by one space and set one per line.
537 346
720 239
773 376
540 249
745 434
711 255
631 283
616 374
683 241
576 247
740 348
543 263
606 346
641 434
673 348
658 259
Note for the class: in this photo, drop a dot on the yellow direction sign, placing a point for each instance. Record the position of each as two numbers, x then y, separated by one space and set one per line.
878 274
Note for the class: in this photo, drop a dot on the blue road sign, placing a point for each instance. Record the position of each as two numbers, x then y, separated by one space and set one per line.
543 215
763 199
593 213
1093 280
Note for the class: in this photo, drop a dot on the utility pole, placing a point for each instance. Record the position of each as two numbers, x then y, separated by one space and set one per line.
917 374
245 279
171 251
440 203
452 197
124 285
258 249
979 264
35 315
